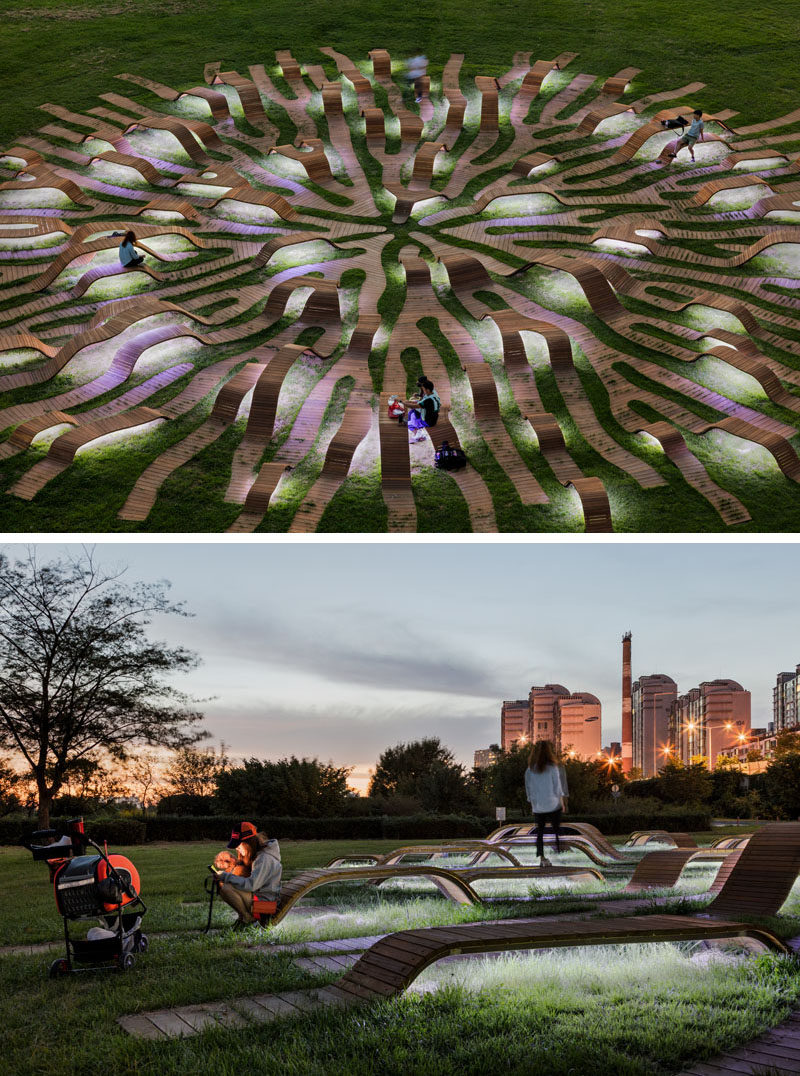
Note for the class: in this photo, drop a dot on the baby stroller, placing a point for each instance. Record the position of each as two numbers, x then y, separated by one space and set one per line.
99 887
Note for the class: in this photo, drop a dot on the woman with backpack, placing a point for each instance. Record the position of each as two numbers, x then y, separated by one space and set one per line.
546 791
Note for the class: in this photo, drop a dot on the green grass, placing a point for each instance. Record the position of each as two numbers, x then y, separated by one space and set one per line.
633 1010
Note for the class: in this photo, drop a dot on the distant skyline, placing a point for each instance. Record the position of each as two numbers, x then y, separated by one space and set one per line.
340 650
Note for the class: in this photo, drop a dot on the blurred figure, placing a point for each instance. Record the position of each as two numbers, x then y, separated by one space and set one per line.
416 69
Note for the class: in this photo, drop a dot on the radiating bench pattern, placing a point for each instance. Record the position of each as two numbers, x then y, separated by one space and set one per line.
546 278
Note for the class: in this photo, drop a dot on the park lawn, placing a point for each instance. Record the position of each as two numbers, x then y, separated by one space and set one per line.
748 61
635 1010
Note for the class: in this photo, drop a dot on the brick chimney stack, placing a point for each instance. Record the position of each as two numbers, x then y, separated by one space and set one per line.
627 719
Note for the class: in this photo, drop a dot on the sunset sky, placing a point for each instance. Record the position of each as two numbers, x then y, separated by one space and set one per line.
339 650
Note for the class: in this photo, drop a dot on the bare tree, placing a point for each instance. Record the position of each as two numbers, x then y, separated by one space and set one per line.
145 778
79 675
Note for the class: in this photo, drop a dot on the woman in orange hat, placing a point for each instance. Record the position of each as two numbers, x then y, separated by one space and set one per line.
264 879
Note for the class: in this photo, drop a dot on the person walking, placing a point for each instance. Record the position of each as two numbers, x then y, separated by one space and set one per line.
691 137
546 791
416 69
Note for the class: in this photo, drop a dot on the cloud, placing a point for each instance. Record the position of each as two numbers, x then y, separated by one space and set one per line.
346 734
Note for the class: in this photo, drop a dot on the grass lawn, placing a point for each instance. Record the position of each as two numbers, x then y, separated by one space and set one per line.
635 1010
747 59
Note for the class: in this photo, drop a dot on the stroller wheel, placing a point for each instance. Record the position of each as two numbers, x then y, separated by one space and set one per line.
143 943
126 962
58 968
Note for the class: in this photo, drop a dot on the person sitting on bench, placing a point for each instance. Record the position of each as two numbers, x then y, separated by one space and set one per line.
264 879
127 252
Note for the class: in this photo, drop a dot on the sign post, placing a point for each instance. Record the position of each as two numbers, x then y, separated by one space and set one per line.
500 814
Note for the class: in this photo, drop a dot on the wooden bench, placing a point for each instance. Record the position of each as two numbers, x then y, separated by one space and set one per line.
757 885
660 836
662 870
432 851
455 883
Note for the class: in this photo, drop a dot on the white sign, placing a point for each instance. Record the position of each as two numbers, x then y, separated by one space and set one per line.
500 814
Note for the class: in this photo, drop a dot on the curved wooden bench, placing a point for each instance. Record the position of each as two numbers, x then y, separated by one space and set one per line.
532 82
250 196
259 494
381 63
313 158
374 125
454 883
24 434
320 308
730 183
183 131
731 842
249 97
145 169
618 83
264 405
456 101
731 510
525 165
757 884
64 447
779 447
486 86
46 179
662 870
660 836
290 68
474 848
101 272
217 102
347 68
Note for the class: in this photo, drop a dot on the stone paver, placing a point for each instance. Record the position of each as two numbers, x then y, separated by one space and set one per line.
327 963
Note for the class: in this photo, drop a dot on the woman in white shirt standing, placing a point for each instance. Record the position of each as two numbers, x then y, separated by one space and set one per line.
546 790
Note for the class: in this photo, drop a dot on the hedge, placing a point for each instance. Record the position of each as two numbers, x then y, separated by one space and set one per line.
388 827
15 829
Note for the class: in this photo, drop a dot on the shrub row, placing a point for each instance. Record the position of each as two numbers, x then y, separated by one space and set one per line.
14 829
401 828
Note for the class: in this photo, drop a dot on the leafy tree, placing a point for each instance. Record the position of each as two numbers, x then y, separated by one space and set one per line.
781 782
786 743
426 770
304 787
505 779
79 675
194 772
684 784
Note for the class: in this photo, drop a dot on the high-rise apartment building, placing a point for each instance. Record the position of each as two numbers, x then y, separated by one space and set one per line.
552 712
578 731
786 701
486 756
543 703
515 719
708 719
651 702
